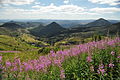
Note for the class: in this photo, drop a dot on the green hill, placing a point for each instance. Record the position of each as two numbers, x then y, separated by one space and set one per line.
115 28
13 43
11 25
47 31
98 23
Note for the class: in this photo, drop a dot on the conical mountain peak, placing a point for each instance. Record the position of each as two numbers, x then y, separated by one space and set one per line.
98 23
53 24
101 19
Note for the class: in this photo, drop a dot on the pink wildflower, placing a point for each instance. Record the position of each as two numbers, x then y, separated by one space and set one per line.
15 68
111 65
0 58
101 66
58 62
113 53
8 64
27 66
118 57
52 51
62 74
89 59
91 68
1 66
101 69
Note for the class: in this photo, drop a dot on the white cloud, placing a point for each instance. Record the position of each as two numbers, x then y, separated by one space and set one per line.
56 12
16 2
105 10
37 3
51 9
68 9
46 12
109 2
66 1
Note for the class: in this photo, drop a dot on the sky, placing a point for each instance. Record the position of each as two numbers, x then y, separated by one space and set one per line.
60 9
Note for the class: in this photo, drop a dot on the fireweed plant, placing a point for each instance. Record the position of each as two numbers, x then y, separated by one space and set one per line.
90 61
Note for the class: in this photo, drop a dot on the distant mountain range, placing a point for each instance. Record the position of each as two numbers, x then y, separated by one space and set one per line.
100 26
53 29
63 23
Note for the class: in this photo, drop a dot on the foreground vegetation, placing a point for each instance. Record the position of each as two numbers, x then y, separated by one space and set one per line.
98 60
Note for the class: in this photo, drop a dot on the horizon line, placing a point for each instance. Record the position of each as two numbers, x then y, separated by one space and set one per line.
58 19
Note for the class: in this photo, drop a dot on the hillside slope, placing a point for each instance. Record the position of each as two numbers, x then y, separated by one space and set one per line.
98 23
47 31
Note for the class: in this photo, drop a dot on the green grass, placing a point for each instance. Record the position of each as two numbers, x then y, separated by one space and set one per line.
8 43
13 43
